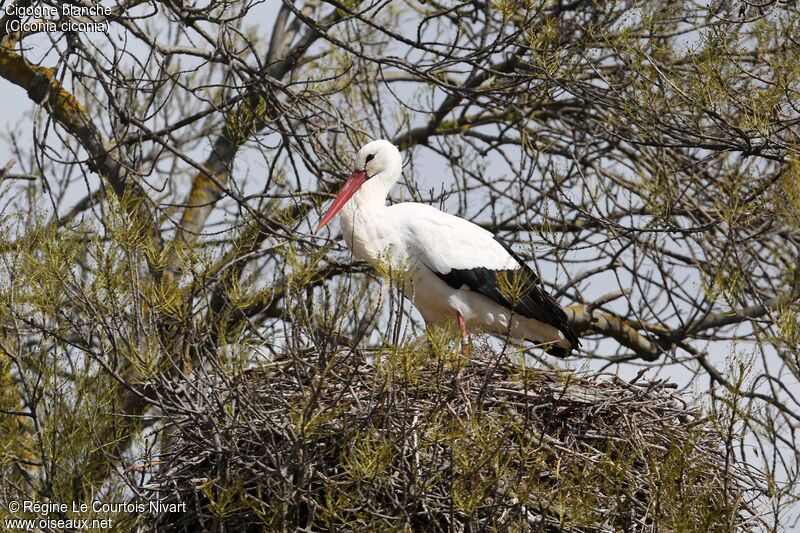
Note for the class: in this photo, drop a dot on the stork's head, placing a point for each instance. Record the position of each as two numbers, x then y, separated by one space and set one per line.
378 166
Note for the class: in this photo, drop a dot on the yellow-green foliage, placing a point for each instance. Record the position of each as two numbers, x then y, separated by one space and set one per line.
787 200
240 123
367 456
310 419
225 501
67 369
685 498
16 442
516 284
789 325
725 283
659 191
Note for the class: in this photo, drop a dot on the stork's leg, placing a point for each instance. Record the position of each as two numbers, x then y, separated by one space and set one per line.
462 325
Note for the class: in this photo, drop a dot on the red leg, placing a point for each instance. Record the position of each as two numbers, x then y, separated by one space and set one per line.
462 325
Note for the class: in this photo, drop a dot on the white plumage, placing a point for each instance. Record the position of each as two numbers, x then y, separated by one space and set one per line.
450 267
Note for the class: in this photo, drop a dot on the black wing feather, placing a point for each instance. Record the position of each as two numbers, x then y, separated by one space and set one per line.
532 300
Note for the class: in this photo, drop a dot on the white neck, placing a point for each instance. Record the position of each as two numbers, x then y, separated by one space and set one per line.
362 218
371 196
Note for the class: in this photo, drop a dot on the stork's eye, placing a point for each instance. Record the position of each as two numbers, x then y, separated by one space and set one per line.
370 157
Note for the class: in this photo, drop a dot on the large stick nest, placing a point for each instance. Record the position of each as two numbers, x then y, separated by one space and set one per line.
418 442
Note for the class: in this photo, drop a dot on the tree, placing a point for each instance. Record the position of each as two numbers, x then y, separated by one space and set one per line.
643 157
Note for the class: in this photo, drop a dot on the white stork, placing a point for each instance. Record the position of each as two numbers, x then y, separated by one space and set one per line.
451 268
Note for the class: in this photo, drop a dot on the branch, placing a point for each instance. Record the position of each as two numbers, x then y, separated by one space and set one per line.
583 319
42 87
718 320
208 185
648 341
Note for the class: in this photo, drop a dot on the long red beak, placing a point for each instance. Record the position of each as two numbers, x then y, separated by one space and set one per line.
350 187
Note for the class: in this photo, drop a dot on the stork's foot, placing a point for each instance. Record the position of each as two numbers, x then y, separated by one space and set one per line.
466 347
